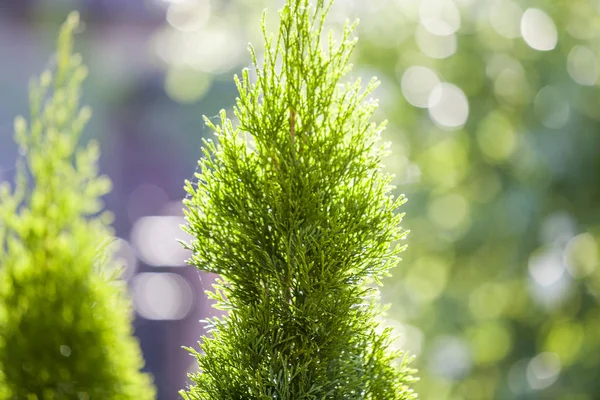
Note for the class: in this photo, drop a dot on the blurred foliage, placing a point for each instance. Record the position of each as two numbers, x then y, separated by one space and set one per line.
503 278
65 328
494 113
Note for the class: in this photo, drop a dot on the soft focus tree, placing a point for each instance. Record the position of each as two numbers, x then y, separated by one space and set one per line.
494 110
65 323
291 209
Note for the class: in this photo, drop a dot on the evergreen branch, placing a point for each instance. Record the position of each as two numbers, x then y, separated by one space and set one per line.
297 223
65 328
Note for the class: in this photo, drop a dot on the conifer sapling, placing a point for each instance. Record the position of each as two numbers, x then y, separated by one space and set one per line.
292 210
65 323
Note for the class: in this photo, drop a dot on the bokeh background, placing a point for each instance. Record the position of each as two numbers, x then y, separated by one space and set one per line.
494 110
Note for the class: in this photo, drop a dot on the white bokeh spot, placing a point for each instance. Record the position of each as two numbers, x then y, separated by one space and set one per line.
448 106
417 82
161 296
538 30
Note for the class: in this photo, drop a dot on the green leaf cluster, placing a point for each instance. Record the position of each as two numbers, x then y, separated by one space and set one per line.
291 208
65 323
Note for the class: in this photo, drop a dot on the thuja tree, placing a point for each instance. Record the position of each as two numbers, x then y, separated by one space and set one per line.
65 329
291 209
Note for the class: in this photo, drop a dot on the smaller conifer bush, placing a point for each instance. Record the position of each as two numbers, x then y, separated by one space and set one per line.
292 210
65 321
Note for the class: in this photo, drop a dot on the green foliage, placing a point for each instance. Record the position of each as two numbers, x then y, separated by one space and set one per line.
65 328
292 210
502 280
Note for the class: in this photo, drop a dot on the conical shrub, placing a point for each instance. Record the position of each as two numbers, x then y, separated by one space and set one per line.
65 323
292 210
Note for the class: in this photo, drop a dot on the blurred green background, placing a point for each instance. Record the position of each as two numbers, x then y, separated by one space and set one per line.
494 111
